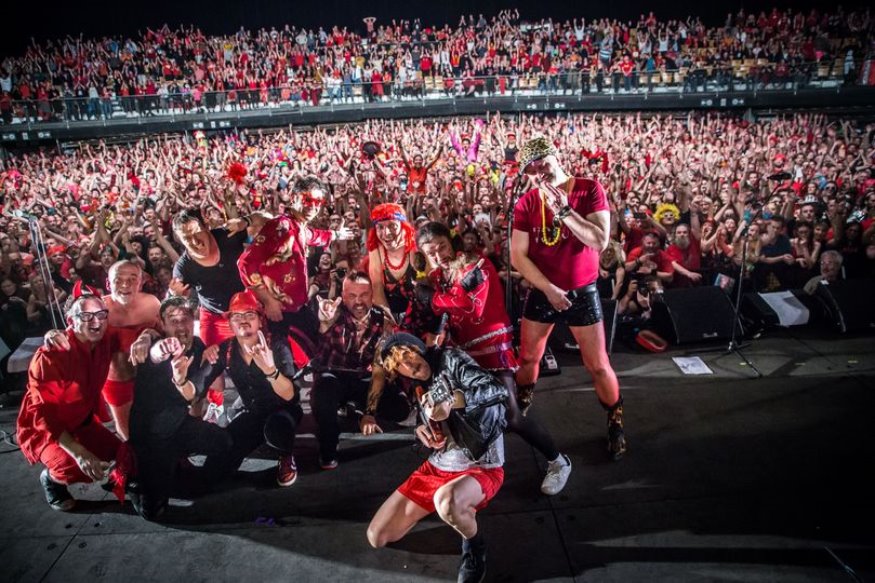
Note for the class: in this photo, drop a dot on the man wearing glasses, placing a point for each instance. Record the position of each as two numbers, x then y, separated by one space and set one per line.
561 225
57 423
262 368
275 265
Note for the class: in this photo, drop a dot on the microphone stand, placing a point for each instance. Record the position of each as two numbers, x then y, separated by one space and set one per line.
516 192
735 346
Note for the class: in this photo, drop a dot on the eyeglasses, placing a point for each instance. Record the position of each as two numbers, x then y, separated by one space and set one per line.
88 316
243 317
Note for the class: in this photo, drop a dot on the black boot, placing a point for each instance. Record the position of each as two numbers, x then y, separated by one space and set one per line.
57 495
525 394
473 566
616 435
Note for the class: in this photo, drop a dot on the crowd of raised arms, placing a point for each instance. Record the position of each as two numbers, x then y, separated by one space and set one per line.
377 257
100 203
185 69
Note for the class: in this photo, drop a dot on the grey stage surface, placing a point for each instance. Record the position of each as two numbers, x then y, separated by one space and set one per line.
726 479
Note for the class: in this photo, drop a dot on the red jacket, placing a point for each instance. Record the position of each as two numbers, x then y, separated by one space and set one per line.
277 259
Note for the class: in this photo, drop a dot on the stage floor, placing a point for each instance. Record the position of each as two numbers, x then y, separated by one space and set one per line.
727 478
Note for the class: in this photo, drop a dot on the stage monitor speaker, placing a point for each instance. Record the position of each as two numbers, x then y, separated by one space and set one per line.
767 310
694 314
849 304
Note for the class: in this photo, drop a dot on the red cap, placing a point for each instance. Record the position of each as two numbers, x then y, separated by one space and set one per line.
243 302
56 250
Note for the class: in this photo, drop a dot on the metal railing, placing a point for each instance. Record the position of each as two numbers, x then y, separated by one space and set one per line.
743 76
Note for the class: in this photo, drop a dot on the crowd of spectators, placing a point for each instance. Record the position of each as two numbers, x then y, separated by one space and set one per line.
685 193
185 69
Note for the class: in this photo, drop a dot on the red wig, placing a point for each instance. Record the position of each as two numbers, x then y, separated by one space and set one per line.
391 211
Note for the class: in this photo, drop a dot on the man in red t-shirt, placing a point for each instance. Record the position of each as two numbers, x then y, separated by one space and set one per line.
650 259
560 227
685 254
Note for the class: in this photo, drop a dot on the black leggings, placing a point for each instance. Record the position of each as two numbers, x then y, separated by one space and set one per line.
526 427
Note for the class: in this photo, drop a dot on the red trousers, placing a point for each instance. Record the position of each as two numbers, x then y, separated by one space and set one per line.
95 437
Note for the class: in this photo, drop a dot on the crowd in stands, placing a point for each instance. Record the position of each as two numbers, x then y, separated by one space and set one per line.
185 69
684 194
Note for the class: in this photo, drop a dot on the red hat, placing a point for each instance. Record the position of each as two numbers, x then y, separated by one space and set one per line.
242 302
650 340
56 250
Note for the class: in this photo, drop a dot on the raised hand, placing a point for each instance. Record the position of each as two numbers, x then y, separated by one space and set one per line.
211 354
140 350
473 278
328 309
178 288
234 226
262 354
179 365
166 348
344 233
556 198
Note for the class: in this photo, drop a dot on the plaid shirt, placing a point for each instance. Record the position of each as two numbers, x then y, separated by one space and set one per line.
340 349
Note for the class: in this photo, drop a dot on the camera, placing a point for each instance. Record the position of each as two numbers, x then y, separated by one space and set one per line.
341 272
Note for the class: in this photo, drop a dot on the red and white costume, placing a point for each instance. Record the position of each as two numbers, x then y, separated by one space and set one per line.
277 259
478 322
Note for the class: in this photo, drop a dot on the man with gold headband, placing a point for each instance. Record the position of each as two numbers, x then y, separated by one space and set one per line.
561 225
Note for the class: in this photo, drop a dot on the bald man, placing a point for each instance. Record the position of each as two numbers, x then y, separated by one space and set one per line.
132 309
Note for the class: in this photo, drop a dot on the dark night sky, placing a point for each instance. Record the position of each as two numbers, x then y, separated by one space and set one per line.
54 19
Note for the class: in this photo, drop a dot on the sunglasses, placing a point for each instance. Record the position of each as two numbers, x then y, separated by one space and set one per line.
310 200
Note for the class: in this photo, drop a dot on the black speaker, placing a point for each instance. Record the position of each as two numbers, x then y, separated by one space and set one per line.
849 304
758 313
694 314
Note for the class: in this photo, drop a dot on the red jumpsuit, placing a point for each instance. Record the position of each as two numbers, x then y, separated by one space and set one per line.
63 394
277 259
478 322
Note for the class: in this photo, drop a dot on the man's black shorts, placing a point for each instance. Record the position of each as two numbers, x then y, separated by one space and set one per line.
585 310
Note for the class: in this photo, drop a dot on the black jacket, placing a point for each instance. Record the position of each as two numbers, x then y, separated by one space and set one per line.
159 409
483 419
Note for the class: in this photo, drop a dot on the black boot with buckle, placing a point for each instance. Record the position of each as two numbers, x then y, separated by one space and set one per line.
616 435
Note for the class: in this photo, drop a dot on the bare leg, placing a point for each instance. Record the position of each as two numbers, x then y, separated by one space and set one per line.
121 414
394 519
456 502
591 340
533 342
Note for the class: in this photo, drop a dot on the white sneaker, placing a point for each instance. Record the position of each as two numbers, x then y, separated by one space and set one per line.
557 476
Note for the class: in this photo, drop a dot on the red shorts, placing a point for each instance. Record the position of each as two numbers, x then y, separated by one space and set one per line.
214 328
427 479
118 393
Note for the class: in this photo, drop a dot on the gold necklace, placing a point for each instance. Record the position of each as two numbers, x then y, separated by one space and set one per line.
557 230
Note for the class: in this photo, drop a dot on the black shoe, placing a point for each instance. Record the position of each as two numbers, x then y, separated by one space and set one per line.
57 495
148 507
472 569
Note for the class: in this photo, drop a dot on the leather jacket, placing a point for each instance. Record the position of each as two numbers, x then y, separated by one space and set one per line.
483 418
